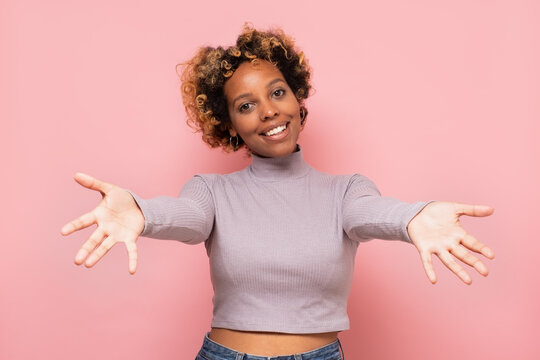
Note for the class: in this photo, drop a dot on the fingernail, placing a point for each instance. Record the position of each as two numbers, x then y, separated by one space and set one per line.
89 260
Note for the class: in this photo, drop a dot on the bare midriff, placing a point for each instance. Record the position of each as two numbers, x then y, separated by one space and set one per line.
270 343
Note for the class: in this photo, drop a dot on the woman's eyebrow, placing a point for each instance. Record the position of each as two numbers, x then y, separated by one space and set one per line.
249 94
273 82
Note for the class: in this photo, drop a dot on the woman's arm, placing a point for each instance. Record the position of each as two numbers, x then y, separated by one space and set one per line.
367 215
187 218
433 227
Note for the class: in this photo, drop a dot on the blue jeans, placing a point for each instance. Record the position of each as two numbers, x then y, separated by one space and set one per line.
211 350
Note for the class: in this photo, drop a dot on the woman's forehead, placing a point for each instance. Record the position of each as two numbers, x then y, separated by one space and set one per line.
251 75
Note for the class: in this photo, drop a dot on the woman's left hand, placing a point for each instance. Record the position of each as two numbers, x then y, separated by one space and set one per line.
436 229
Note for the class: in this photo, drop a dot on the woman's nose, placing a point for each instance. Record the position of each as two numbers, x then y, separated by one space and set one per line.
268 111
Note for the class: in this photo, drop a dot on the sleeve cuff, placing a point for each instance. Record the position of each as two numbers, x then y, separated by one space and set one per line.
142 206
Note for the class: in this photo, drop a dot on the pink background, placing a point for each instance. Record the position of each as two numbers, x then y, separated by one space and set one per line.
430 99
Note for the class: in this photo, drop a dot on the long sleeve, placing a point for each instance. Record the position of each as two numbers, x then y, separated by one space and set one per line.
188 218
367 215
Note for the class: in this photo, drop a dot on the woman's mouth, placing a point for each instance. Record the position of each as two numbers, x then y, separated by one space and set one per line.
277 133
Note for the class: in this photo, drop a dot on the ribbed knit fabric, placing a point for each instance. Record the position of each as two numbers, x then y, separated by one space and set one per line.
281 238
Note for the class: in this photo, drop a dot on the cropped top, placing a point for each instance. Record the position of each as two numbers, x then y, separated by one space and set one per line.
281 238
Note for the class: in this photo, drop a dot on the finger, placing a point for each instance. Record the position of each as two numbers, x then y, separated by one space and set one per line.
132 256
461 253
91 182
473 210
105 246
472 243
78 224
94 240
454 267
428 266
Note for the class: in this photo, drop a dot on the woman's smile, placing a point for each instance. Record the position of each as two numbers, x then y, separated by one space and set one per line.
278 132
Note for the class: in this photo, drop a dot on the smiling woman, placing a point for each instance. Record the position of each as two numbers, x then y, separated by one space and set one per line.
281 236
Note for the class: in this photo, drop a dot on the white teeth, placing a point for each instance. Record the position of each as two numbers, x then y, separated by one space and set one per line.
276 130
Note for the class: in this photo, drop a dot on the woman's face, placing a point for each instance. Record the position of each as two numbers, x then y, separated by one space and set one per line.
260 101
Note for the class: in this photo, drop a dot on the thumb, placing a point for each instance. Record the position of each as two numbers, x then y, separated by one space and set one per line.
92 183
473 210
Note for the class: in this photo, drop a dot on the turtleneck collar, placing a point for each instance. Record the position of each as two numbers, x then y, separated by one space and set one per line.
290 166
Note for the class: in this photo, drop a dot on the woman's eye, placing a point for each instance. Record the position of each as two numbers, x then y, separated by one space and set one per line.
245 107
279 92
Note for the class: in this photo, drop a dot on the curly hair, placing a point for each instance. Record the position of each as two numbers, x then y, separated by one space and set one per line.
203 79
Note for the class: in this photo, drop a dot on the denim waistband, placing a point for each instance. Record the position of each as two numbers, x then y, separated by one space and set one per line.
213 350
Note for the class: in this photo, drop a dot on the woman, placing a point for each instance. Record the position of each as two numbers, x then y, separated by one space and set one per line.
281 236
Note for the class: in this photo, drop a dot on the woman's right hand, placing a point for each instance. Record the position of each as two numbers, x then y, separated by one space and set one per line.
118 219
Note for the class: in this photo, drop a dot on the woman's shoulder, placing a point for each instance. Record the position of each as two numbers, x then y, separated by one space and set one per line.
212 179
346 178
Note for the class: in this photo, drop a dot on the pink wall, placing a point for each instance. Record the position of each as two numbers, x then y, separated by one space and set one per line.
430 99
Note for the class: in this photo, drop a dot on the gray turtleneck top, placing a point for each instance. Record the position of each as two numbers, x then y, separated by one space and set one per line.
281 238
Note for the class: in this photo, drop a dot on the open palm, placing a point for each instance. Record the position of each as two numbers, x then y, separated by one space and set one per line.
118 219
436 230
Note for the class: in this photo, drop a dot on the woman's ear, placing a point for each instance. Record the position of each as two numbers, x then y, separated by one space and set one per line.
303 115
232 132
